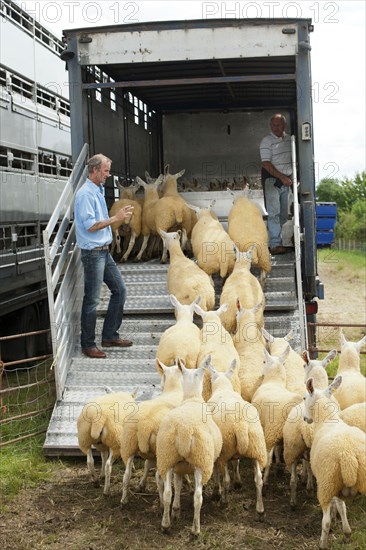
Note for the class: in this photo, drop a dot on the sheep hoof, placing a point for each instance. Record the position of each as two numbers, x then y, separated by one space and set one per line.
215 496
175 514
346 538
293 506
238 484
260 516
165 530
96 483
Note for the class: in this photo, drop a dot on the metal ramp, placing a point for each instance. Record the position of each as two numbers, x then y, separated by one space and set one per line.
148 313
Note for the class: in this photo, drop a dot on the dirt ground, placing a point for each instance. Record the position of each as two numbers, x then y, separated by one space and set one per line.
69 512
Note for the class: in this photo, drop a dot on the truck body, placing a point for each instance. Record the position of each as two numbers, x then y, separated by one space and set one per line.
196 95
35 163
326 219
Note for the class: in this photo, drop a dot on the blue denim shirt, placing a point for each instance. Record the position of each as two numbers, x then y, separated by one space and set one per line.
90 207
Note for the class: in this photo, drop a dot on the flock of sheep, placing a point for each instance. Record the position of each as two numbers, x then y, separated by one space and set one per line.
230 389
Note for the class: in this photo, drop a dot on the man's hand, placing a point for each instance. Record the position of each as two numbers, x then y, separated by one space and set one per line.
125 213
286 181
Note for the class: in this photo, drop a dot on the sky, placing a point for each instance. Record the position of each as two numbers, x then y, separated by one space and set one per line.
337 57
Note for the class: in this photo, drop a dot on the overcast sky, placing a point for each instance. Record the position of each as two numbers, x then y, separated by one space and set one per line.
338 57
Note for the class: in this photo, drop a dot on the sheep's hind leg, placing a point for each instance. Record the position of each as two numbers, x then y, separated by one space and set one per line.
167 498
91 468
108 472
160 486
126 480
142 249
342 511
293 485
325 527
130 247
197 500
258 480
178 482
147 467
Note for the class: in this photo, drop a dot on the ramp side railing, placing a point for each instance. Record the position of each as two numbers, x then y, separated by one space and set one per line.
297 244
64 274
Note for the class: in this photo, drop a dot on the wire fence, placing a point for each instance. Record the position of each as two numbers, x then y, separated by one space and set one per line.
349 244
27 397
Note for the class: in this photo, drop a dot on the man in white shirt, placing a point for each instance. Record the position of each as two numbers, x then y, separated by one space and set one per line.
275 152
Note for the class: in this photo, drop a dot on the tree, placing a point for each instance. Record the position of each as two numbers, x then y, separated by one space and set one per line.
331 190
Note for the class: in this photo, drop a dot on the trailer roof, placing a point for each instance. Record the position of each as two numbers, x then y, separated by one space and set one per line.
235 70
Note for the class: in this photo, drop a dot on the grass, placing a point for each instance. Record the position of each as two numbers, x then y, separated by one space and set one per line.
23 465
344 259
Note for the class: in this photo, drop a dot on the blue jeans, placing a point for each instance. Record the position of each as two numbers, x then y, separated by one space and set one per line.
99 266
276 200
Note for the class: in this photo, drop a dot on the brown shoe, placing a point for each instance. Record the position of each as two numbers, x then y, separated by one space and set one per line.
119 343
278 250
94 353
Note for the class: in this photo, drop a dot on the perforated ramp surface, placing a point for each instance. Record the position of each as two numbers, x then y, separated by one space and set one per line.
148 313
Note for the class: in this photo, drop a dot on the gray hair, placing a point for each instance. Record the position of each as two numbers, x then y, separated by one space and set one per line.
96 162
279 115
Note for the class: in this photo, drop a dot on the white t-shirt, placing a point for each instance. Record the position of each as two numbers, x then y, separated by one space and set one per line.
277 150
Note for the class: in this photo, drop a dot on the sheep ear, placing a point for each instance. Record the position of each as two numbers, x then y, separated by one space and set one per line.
179 233
230 191
329 358
306 357
334 386
181 365
343 338
166 169
174 301
149 179
206 362
222 309
141 182
231 369
198 310
289 336
197 300
267 336
257 307
135 392
160 367
212 204
310 386
163 234
196 209
159 180
360 343
238 305
179 174
282 358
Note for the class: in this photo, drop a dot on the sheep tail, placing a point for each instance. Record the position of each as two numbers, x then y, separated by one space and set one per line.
183 444
349 469
144 436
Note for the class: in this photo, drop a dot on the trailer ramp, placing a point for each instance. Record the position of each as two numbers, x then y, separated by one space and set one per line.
148 313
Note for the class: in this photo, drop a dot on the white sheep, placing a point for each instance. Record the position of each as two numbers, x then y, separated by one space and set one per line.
148 226
139 435
294 364
131 227
249 344
337 456
242 285
246 227
187 436
297 434
211 245
185 279
353 387
182 340
274 402
100 425
242 432
216 342
355 415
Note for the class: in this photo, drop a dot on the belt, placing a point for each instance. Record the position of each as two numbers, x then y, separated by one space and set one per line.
105 247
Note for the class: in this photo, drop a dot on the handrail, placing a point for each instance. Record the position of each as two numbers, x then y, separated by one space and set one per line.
64 310
297 244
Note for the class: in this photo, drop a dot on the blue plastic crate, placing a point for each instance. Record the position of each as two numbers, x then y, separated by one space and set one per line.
326 209
324 238
326 224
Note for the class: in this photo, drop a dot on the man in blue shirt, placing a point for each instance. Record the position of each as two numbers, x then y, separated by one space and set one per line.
93 236
275 152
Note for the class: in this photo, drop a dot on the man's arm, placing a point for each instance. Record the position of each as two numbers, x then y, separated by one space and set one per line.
120 216
267 165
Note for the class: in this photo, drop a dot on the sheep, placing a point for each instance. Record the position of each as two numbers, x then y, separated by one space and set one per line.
139 436
337 456
185 279
216 342
100 425
242 285
249 344
294 365
246 227
297 434
187 436
273 402
132 226
182 340
211 245
148 226
241 430
355 415
353 388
